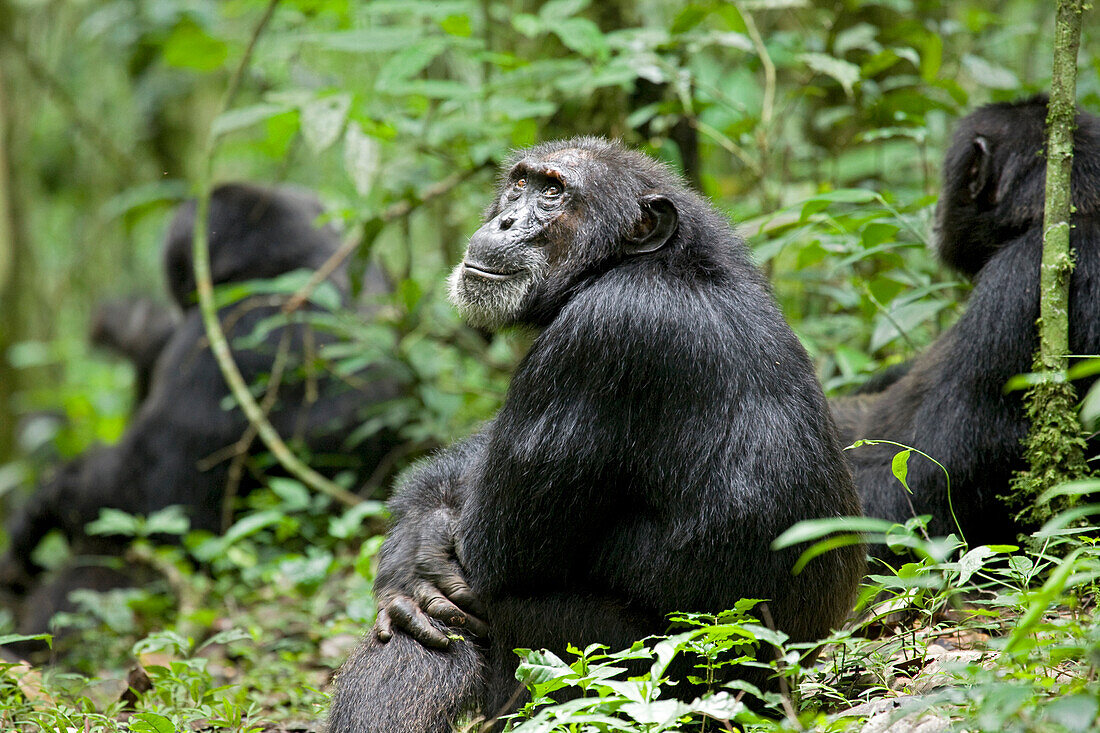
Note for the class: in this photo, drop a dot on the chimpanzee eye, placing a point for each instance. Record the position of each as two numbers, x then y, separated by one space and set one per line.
521 183
552 191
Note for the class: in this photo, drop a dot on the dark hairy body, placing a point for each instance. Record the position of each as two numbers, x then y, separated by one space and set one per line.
136 329
178 448
951 402
664 428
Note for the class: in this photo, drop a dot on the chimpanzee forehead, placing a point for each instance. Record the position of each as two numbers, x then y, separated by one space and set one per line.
567 164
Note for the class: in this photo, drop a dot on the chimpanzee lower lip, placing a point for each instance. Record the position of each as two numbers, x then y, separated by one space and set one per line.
479 271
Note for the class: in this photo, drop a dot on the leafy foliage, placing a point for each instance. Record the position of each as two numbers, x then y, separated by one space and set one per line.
817 125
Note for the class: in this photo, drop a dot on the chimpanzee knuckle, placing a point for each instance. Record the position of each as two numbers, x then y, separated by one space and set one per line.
440 608
453 585
383 627
420 628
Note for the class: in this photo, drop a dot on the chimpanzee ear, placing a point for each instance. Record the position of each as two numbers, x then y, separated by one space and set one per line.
659 222
980 182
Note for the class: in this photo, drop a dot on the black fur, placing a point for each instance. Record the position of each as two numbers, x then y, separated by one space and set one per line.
184 421
951 403
136 329
663 429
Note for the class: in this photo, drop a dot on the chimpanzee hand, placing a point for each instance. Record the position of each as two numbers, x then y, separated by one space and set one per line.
420 579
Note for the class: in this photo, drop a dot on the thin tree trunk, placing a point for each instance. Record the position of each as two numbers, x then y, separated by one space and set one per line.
1061 121
9 258
1055 446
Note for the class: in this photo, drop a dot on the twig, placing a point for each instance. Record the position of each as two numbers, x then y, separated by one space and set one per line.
236 469
784 686
218 343
394 211
766 61
729 145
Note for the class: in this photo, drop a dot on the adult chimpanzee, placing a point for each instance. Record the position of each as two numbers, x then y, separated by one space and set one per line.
136 329
179 445
951 403
663 429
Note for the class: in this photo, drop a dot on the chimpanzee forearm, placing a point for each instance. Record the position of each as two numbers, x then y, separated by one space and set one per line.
419 576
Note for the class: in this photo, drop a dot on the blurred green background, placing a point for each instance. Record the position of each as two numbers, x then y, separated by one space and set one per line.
818 126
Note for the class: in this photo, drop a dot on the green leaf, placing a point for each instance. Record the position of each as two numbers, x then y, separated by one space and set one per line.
245 527
561 9
190 47
845 73
170 520
6 639
114 522
348 524
972 562
809 530
364 41
988 74
655 712
931 55
540 667
294 493
583 36
242 117
323 120
407 63
362 158
899 466
1075 713
151 723
528 25
457 25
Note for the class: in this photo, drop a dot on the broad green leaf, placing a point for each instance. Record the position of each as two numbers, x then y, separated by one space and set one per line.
899 466
6 639
294 493
114 522
581 35
559 9
845 73
190 47
362 158
988 74
347 525
457 25
151 723
245 527
171 520
972 562
242 117
408 62
1075 713
365 40
323 120
809 530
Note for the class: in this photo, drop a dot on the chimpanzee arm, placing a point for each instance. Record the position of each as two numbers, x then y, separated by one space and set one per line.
419 576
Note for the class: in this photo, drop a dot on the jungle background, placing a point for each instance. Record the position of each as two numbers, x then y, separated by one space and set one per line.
818 126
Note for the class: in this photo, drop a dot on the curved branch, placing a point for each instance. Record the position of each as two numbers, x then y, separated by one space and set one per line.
218 343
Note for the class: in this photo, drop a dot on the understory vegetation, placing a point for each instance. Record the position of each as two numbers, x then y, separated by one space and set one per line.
817 125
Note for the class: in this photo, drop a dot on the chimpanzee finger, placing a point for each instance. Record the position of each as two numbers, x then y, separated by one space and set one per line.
436 605
383 627
454 586
408 616
476 626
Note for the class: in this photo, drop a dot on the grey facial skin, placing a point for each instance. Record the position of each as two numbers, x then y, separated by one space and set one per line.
507 258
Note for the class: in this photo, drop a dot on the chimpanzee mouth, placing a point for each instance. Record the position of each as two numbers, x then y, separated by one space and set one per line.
485 273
